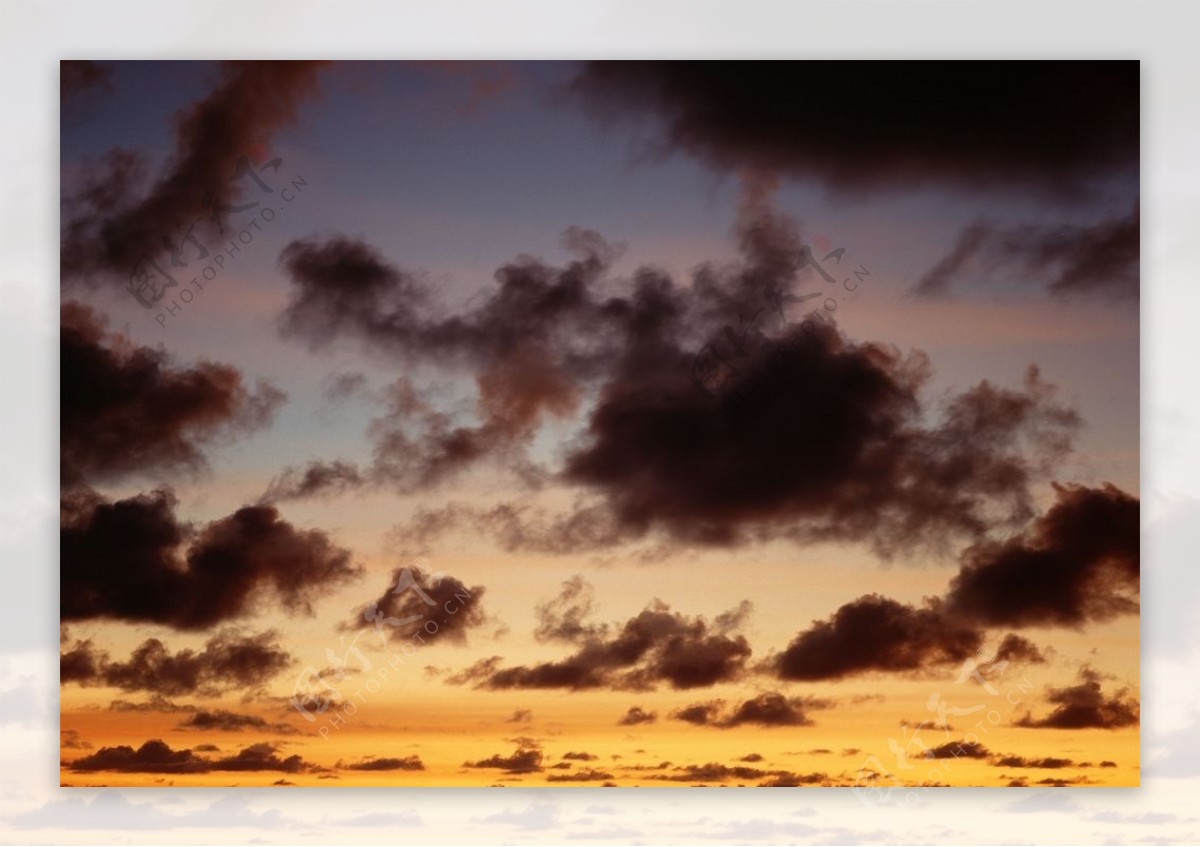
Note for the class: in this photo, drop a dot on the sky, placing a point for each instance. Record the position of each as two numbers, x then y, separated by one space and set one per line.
568 424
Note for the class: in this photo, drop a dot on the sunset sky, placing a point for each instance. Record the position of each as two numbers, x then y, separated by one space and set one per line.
545 337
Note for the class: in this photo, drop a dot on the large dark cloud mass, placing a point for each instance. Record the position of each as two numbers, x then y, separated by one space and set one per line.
118 215
1101 258
126 408
827 444
133 560
869 124
820 437
654 647
228 661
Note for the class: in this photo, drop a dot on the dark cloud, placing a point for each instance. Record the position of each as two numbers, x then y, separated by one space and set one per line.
1079 562
717 772
874 633
562 618
345 287
733 619
522 341
1102 257
118 215
404 763
79 663
661 766
1086 706
417 446
770 709
656 646
435 605
975 123
916 726
261 757
156 703
819 437
582 756
520 716
1015 648
700 714
69 739
958 750
525 759
787 779
1063 783
827 447
132 560
1047 762
317 478
152 757
222 720
588 775
157 757
636 716
713 772
127 409
227 661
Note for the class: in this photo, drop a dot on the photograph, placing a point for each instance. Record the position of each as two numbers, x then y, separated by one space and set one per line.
682 423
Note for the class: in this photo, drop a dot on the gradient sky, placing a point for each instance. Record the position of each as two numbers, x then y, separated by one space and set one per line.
450 171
